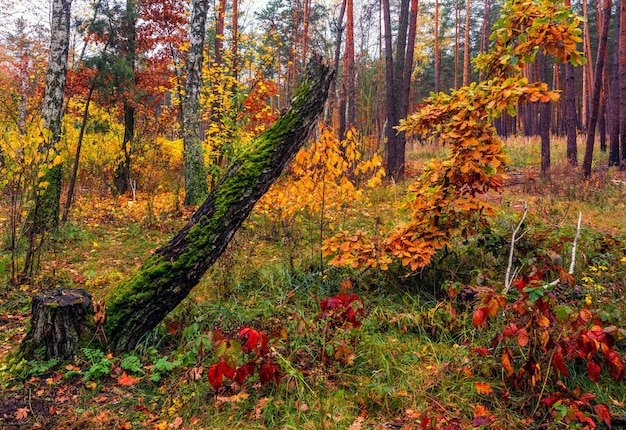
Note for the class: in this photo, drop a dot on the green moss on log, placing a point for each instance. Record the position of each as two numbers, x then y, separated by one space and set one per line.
140 302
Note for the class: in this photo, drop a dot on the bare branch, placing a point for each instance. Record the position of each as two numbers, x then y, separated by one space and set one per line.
508 279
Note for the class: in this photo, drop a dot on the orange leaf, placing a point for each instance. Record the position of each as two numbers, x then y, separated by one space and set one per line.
21 414
542 321
483 388
127 380
506 363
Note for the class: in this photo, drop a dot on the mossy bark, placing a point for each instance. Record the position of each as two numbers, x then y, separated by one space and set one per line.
139 303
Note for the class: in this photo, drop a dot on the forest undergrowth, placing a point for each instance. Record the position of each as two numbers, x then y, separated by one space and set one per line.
273 337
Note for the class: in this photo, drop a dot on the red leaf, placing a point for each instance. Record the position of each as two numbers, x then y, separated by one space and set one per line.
593 370
480 317
604 413
244 371
215 376
268 371
615 364
252 339
510 330
329 303
226 370
481 352
559 363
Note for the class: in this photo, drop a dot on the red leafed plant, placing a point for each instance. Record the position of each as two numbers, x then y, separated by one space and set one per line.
242 357
542 335
340 315
342 309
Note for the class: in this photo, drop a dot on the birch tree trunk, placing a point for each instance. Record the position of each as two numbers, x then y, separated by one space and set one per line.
196 186
44 217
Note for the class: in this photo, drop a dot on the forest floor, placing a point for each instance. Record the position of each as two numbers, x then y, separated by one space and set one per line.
418 357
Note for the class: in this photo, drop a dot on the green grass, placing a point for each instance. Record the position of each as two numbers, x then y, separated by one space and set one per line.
412 358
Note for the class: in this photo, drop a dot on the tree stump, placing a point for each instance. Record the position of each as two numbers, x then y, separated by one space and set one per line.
59 319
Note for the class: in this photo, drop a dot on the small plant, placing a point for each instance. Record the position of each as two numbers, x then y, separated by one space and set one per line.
100 363
240 358
161 367
340 315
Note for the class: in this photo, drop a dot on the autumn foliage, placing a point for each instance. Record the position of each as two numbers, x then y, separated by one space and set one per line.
446 199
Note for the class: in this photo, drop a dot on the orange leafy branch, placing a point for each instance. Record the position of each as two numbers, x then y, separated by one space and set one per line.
445 200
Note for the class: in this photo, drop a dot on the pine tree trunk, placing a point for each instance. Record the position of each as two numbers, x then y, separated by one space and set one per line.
614 94
545 110
139 303
196 186
333 87
614 97
622 81
437 59
466 48
597 88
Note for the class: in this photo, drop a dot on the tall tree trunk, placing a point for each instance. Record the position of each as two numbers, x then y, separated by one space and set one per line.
344 95
44 217
457 42
622 81
196 186
570 115
605 83
333 86
545 118
597 88
123 179
614 107
390 103
588 72
79 145
139 303
398 78
437 55
24 66
219 31
305 31
235 38
484 33
349 66
466 50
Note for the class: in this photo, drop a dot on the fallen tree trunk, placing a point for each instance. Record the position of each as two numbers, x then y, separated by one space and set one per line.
137 304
